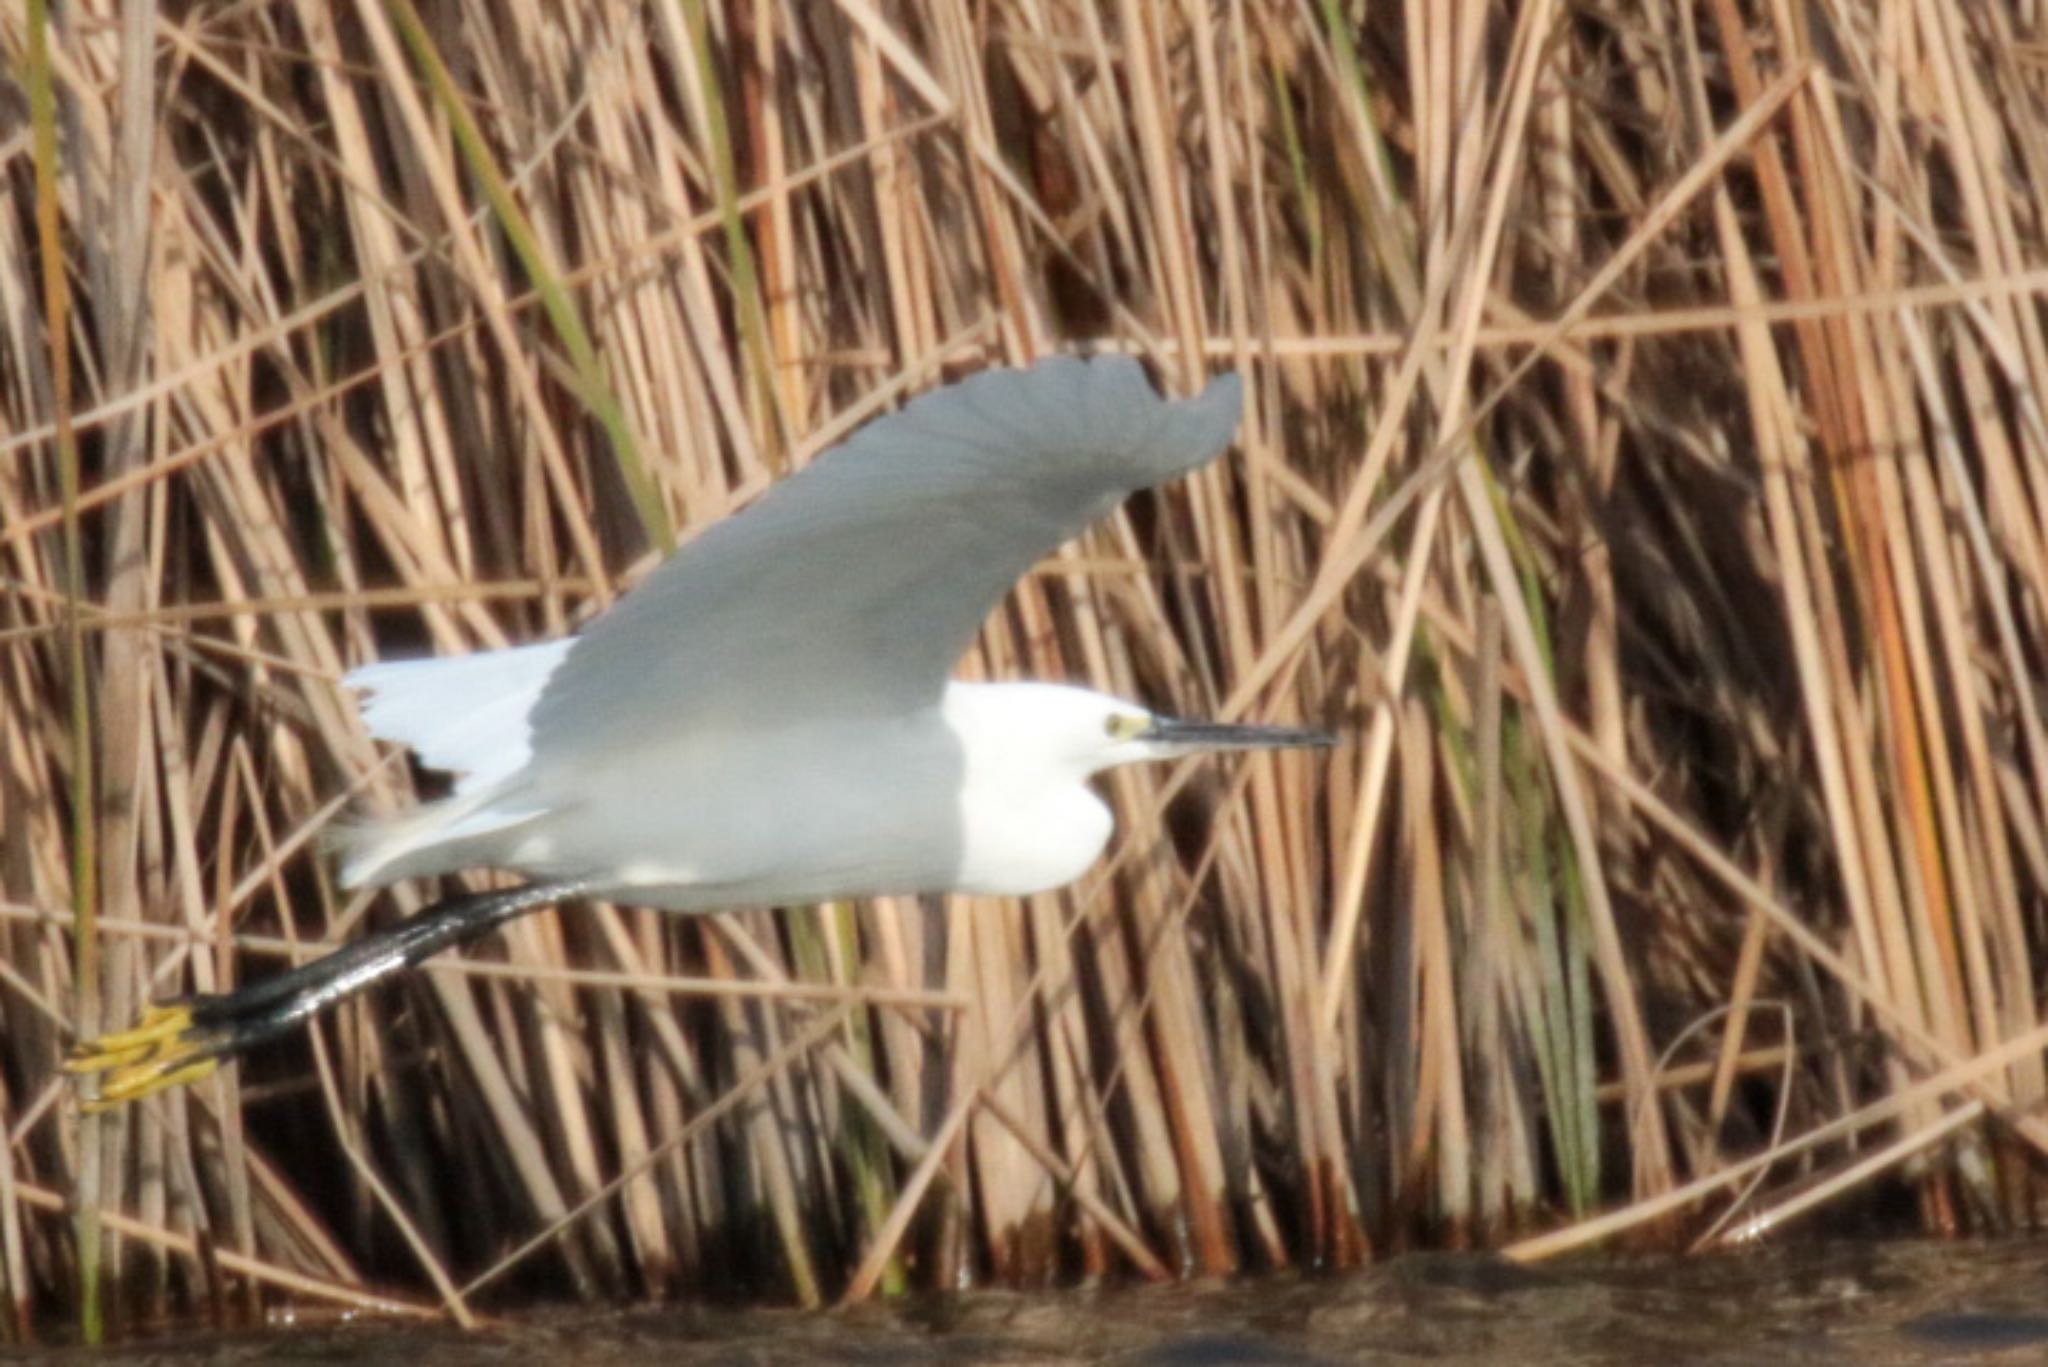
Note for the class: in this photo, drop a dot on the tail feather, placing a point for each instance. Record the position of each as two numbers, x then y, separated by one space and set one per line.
435 837
465 714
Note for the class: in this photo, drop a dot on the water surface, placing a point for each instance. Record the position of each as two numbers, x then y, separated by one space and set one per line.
1838 1303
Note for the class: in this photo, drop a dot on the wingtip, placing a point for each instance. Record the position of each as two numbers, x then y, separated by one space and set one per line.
1176 434
1223 397
1195 431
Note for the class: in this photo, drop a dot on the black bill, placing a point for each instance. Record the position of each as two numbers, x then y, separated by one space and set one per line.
1196 736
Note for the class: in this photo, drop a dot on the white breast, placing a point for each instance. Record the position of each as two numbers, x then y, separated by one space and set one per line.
1028 818
1012 845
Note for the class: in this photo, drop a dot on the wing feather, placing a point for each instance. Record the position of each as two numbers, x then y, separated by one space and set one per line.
852 587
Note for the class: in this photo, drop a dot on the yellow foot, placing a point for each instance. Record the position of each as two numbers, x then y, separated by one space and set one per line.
161 1052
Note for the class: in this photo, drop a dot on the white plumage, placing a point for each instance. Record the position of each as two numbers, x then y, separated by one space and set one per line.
465 714
768 717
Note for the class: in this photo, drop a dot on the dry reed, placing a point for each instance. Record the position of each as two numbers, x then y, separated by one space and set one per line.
1642 467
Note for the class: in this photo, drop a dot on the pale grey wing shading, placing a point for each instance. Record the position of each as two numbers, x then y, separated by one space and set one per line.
852 587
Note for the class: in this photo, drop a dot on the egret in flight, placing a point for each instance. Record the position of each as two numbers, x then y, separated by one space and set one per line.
768 719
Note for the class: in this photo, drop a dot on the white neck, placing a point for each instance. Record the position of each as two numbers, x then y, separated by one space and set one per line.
1029 821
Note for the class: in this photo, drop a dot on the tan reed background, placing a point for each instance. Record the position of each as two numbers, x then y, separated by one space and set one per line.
1643 467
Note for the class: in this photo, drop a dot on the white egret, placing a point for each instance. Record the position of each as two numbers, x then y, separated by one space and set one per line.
768 719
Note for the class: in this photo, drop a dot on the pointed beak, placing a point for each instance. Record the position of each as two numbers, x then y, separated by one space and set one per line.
1184 737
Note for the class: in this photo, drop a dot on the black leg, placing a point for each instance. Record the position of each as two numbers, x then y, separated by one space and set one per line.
184 1040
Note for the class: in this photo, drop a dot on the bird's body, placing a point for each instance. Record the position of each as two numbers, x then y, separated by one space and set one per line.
767 719
984 792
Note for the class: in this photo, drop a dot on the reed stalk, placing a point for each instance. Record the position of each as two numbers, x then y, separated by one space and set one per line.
1641 467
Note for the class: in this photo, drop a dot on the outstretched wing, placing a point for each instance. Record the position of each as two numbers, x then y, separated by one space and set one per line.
852 587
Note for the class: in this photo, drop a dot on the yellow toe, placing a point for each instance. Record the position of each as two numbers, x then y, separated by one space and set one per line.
173 1068
160 1028
157 1053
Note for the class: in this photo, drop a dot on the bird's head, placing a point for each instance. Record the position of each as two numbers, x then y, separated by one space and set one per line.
1129 733
1078 731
